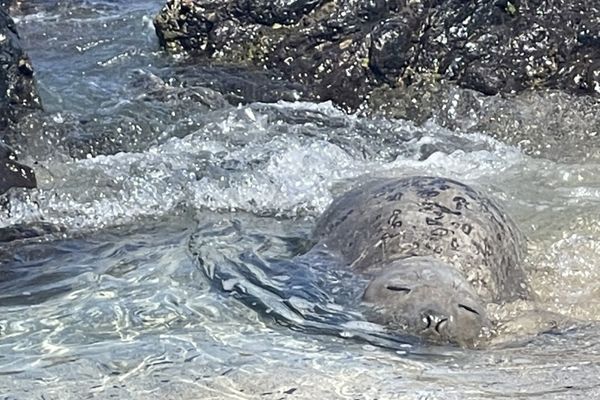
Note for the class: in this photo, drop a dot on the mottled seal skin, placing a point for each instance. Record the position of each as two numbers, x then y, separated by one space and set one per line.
436 251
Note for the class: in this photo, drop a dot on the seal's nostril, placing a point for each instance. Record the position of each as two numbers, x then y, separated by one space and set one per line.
434 322
440 325
427 320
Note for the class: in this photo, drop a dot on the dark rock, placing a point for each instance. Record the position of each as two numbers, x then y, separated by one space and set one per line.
13 174
391 50
274 12
7 4
18 97
18 93
345 49
27 231
320 51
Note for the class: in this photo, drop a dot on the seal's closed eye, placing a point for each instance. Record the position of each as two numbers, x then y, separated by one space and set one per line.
395 288
468 309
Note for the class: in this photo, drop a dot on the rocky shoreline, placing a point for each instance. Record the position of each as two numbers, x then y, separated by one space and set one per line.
413 59
467 65
346 48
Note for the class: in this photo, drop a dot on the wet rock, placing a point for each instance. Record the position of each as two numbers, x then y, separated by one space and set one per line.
13 174
274 12
307 45
18 93
546 123
344 49
18 97
28 231
7 4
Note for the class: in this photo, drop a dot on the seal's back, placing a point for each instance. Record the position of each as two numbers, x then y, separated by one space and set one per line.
389 219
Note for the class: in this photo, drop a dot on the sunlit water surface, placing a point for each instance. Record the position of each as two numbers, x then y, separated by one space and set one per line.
149 186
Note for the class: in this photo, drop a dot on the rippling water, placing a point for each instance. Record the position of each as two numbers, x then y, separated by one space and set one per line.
151 183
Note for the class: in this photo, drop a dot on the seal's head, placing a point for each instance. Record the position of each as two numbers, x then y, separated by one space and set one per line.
428 298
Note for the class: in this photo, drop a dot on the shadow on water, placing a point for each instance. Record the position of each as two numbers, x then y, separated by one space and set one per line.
256 260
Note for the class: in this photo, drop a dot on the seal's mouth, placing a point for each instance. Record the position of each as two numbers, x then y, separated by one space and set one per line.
427 298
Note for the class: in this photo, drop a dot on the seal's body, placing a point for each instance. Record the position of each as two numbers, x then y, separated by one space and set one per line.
436 251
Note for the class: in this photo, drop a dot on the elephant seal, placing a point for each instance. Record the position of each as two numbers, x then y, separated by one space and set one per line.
436 252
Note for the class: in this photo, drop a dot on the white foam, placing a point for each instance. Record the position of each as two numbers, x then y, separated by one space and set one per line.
256 159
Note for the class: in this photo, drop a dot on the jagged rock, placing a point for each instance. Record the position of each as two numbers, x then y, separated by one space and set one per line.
18 97
344 49
18 92
13 174
315 49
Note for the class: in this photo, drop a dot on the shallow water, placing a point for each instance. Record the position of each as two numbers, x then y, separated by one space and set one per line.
156 184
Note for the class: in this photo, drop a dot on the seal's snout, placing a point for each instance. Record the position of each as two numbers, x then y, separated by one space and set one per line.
434 322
